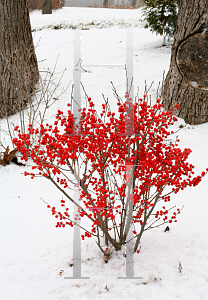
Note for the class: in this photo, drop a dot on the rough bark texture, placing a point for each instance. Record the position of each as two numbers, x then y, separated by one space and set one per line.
18 63
192 60
193 101
47 7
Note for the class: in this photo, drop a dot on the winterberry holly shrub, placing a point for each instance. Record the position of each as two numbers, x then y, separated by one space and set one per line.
159 166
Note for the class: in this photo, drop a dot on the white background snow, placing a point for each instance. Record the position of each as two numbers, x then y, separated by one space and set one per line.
32 250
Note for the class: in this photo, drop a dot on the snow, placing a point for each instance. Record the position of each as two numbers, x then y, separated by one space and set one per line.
79 17
194 84
33 251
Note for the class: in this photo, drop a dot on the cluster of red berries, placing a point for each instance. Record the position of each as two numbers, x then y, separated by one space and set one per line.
156 162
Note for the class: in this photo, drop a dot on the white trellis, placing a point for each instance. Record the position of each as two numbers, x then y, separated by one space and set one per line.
77 115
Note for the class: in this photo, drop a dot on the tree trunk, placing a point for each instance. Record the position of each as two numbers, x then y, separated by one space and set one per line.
133 3
47 7
18 63
105 3
186 83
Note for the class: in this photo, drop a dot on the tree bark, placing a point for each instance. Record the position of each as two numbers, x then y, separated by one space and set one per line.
47 7
105 3
192 22
133 3
18 63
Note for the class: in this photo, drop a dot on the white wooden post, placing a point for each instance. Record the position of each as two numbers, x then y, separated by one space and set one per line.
129 168
76 117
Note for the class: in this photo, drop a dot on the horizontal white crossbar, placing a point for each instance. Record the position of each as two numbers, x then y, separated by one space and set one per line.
103 65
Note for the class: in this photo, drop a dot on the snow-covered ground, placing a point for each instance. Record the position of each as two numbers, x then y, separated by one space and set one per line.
33 251
83 17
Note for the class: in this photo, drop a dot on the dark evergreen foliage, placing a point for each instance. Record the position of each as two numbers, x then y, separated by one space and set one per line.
161 16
